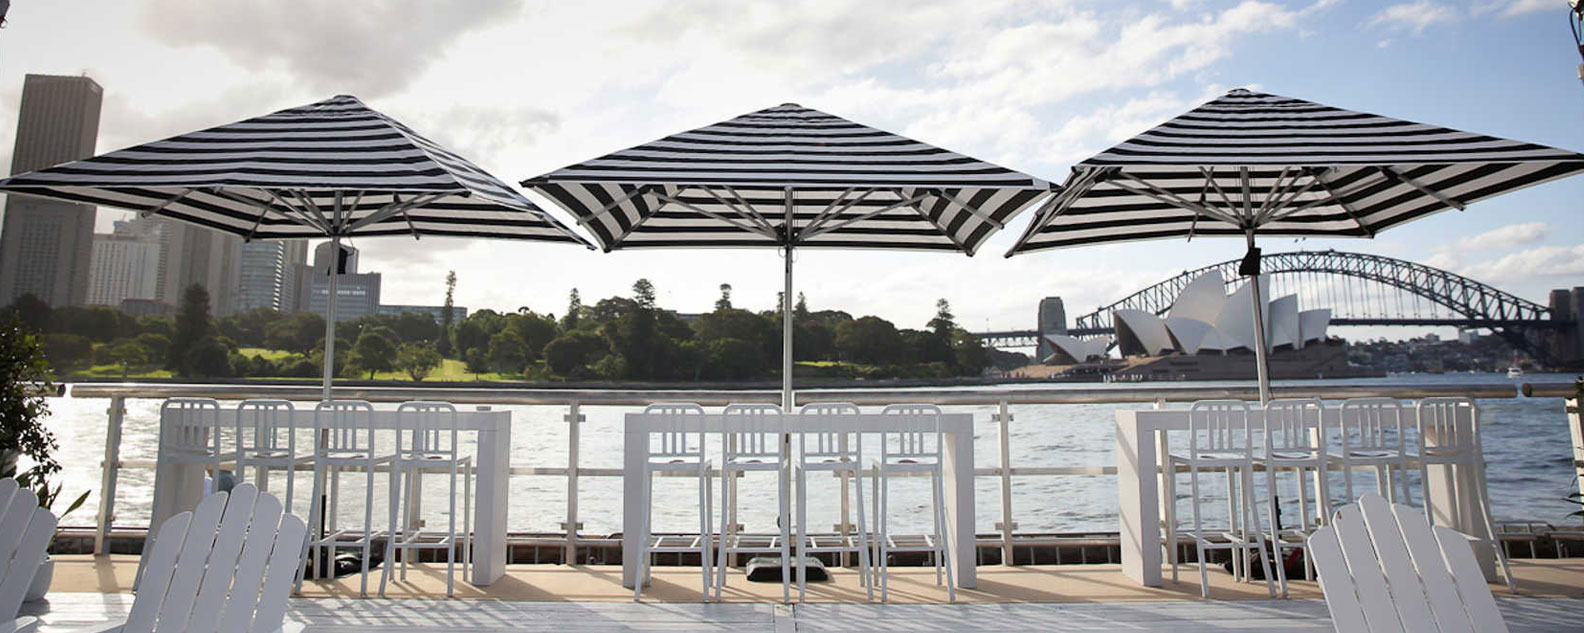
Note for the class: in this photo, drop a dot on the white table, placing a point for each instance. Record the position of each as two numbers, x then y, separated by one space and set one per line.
957 481
1141 433
178 486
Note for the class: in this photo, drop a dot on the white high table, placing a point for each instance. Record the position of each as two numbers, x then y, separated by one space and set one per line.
179 486
1140 435
957 480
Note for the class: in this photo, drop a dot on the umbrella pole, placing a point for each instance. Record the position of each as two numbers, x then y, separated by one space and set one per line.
1261 358
330 312
786 314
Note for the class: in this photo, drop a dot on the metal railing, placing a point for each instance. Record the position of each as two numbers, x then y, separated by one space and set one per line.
576 399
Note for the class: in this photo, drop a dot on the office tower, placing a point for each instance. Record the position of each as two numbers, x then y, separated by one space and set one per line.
357 295
269 274
192 254
124 267
46 246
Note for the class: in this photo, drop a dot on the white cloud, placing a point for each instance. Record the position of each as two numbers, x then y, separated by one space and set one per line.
1416 16
1510 236
1516 8
1527 265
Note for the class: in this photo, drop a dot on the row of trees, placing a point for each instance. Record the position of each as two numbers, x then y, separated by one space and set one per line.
617 338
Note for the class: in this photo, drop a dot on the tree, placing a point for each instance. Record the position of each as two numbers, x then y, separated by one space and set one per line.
300 332
129 354
570 354
506 354
870 339
32 312
937 347
573 314
24 380
156 344
68 351
801 309
535 331
374 351
443 341
417 360
724 302
192 328
208 359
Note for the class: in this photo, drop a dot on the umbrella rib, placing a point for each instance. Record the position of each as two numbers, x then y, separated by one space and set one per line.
1225 199
976 212
302 217
745 227
836 207
1281 210
1248 193
1151 191
1447 200
1346 208
859 218
262 205
1276 191
950 235
307 203
611 206
168 202
394 208
745 210
1277 205
1057 205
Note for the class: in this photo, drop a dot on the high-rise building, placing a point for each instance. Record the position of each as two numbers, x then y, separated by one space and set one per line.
124 267
269 274
192 255
357 294
46 246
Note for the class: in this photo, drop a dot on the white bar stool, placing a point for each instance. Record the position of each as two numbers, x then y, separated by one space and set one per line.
675 448
1293 428
752 441
908 452
839 453
344 434
195 436
266 441
1220 437
1372 435
433 449
1444 441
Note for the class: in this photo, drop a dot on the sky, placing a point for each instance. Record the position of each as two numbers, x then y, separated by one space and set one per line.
523 88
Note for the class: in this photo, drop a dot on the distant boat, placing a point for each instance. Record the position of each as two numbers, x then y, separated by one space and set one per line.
1514 372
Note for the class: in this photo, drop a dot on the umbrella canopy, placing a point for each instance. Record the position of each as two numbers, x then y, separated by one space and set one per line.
333 169
1250 162
790 177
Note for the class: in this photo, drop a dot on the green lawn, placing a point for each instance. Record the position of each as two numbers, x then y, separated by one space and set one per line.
114 371
268 354
450 370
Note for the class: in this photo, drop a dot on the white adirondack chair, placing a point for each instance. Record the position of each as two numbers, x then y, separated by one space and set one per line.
25 531
1384 569
226 566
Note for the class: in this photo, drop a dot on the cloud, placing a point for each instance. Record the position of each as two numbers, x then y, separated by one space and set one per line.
365 48
1416 16
484 134
1510 236
1526 266
1517 8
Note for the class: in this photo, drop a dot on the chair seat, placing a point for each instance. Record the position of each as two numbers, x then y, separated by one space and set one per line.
678 464
346 455
1296 454
907 466
266 453
1375 454
833 464
1213 459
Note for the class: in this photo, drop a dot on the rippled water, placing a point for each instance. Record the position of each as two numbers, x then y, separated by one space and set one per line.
1526 443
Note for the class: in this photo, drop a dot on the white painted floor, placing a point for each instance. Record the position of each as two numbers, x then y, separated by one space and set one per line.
67 611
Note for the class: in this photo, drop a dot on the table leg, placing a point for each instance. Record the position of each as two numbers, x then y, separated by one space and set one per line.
492 501
1138 494
634 453
959 491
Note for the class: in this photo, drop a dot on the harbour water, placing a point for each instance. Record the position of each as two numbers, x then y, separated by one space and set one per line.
1526 444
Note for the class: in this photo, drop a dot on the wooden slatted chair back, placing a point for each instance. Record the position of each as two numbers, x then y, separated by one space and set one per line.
752 431
263 424
193 425
678 431
344 425
1447 424
1372 424
831 444
1294 424
917 443
25 531
1384 569
432 425
227 565
1219 426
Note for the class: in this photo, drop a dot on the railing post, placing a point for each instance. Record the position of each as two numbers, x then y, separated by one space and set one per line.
574 419
109 472
1003 420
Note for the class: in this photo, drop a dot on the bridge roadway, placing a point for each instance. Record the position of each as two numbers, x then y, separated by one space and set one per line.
1029 338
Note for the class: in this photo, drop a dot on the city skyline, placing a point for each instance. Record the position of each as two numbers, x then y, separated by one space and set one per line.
1034 87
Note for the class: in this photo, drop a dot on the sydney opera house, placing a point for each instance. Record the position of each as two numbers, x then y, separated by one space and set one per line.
1203 320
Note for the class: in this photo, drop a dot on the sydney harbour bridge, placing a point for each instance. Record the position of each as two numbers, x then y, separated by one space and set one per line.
1370 290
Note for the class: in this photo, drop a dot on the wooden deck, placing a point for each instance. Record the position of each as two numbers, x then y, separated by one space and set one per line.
574 599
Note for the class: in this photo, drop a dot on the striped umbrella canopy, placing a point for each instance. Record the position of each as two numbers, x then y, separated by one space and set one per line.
790 177
1251 163
333 169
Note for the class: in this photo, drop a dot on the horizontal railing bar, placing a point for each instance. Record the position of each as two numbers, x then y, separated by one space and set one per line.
1117 394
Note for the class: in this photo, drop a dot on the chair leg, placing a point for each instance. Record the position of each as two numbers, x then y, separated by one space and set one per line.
941 542
884 546
1170 492
467 523
368 526
1232 520
1198 531
390 543
705 538
865 564
1482 496
726 545
1251 525
802 534
313 527
935 515
641 557
451 536
784 521
1275 531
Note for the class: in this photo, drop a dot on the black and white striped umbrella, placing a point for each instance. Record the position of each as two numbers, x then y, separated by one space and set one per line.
790 177
1250 162
333 169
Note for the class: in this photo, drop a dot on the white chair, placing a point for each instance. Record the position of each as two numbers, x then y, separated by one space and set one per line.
752 441
193 435
1293 428
1221 438
841 454
433 449
1383 568
908 452
267 441
1372 435
25 532
344 434
677 446
226 566
1449 436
